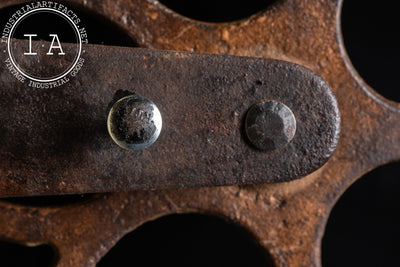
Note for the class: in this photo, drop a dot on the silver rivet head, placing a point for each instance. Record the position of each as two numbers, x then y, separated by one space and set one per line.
134 122
270 125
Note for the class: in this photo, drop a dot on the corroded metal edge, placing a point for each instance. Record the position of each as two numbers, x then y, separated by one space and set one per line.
289 218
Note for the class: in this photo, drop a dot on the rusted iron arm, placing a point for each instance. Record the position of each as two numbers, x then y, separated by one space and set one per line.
54 140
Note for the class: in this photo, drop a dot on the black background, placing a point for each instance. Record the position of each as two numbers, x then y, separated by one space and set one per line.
363 229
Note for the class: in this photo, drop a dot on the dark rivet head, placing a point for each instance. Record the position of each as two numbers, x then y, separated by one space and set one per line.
270 125
134 122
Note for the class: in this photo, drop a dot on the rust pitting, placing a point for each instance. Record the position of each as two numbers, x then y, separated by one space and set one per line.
299 31
60 139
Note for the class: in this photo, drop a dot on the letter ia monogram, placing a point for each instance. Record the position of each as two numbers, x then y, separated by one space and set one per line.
52 46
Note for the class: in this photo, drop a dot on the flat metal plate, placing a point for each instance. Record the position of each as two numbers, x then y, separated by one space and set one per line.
55 140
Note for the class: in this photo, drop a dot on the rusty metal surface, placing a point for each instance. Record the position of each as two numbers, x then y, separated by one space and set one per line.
288 219
57 140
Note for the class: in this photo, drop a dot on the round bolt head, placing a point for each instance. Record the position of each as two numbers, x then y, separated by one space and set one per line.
270 125
134 122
